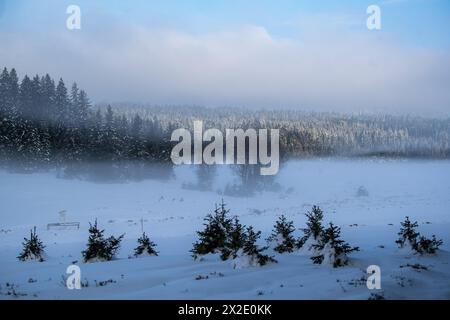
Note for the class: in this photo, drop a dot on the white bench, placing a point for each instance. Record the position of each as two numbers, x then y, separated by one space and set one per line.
63 225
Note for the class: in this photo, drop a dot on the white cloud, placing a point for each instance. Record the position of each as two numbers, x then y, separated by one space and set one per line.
245 66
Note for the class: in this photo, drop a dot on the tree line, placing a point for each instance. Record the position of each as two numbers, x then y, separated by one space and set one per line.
225 236
42 122
308 134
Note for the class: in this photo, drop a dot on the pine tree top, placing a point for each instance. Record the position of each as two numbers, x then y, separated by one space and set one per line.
283 226
314 223
221 209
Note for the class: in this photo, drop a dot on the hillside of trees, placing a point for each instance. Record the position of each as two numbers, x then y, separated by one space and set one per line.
45 124
308 134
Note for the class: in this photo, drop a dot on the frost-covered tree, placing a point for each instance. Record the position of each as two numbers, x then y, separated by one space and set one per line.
314 228
331 248
83 106
282 235
145 247
47 98
62 104
213 238
409 237
429 246
228 237
408 234
251 254
74 103
33 248
4 92
26 98
235 240
100 248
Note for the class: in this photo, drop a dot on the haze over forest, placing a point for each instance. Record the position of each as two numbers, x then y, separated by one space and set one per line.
316 56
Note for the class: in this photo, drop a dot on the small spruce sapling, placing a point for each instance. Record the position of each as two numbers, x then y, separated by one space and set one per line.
314 228
33 249
252 251
282 235
429 246
420 244
331 248
235 240
99 248
213 238
145 247
408 234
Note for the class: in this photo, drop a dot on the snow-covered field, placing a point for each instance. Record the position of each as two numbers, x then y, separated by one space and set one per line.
172 214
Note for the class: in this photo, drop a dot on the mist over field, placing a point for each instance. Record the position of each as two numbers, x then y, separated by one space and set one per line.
112 112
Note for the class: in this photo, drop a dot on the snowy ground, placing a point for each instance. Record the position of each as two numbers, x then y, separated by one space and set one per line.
172 214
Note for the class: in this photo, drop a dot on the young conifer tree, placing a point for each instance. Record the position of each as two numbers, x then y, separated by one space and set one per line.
282 235
145 247
408 234
331 248
410 237
314 228
33 248
99 248
235 240
253 251
213 238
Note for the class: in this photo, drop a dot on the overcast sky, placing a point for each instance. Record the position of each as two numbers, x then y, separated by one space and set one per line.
313 55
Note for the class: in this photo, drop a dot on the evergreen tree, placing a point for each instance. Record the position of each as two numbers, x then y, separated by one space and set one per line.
420 244
109 118
137 150
282 235
251 250
4 92
13 96
145 247
95 136
61 103
31 145
331 248
36 94
26 99
314 228
213 239
7 128
429 246
33 249
123 137
111 142
408 234
42 145
83 107
48 92
136 126
99 248
6 133
74 143
74 105
235 240
314 223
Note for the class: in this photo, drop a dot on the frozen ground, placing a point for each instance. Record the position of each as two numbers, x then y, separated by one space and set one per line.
172 214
